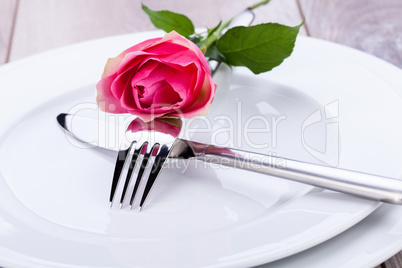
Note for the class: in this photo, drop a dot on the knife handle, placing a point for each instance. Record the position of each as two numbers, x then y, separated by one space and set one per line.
364 185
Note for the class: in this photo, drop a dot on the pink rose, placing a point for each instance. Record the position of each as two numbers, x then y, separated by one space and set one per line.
166 76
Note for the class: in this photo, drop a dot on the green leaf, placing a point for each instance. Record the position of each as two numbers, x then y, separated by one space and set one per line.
169 21
259 48
213 53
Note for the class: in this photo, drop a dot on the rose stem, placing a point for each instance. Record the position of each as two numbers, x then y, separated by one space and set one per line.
264 2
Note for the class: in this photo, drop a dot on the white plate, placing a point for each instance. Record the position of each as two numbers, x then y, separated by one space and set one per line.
55 193
379 236
367 244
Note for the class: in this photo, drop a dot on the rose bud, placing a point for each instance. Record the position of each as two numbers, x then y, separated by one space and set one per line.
159 77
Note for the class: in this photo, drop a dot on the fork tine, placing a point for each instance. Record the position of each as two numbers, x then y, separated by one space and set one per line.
130 172
121 159
141 172
156 168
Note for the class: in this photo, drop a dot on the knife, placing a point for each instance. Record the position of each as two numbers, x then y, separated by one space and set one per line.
85 132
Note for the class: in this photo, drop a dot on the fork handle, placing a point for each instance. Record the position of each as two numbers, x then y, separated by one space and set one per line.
364 185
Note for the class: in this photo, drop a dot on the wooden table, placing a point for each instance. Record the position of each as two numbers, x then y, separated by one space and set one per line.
31 26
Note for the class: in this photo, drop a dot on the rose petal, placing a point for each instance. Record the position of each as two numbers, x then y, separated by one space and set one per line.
166 48
127 100
113 63
181 82
136 100
166 97
132 61
105 98
182 59
120 83
159 73
201 105
178 39
149 93
194 91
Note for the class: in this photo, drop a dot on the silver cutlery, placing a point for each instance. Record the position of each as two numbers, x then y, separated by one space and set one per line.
363 185
149 141
155 138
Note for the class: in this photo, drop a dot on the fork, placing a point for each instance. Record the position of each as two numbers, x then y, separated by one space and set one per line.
155 139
